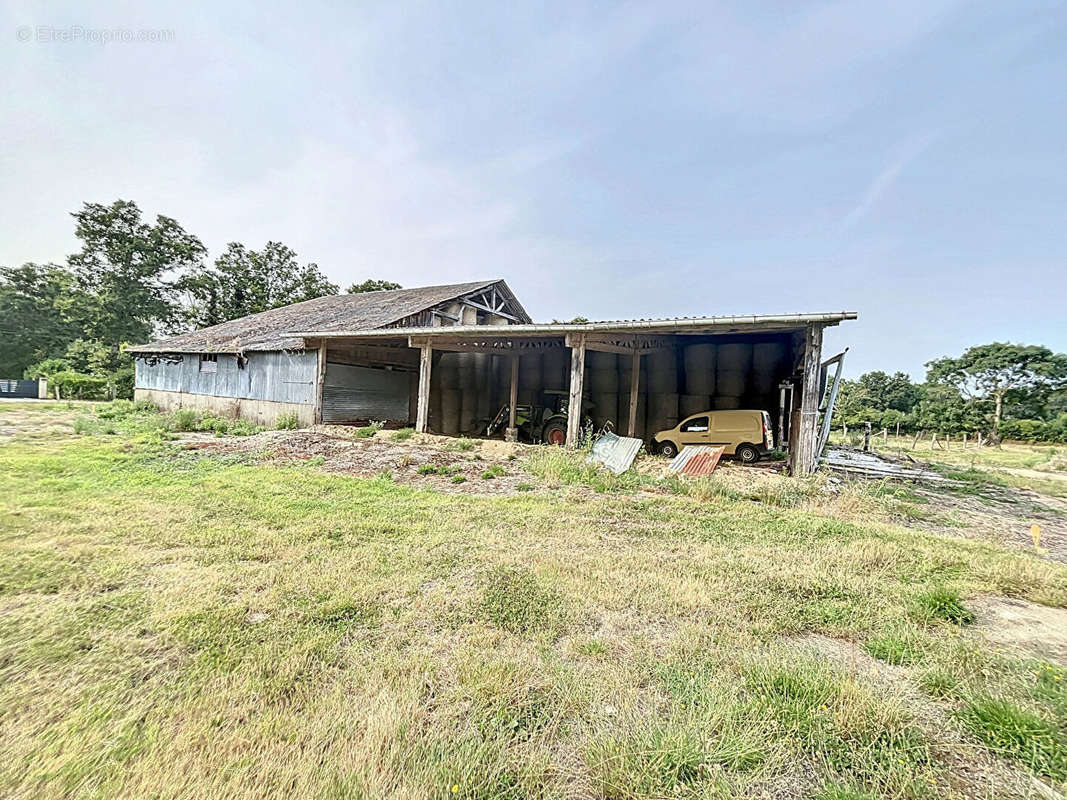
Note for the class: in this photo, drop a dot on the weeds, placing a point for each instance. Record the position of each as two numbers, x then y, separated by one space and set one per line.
287 421
403 434
495 471
941 603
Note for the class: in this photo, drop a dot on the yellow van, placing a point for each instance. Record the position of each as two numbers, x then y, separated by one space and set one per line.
745 434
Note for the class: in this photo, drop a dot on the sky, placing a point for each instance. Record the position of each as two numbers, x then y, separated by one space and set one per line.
907 161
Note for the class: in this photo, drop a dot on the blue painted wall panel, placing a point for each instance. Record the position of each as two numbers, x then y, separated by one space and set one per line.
279 376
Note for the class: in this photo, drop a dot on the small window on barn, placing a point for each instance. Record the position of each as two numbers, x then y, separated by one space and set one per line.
209 362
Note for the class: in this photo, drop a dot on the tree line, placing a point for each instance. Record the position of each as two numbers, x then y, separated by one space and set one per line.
132 281
1001 390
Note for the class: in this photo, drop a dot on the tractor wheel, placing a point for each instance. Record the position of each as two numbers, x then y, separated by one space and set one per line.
668 449
555 432
747 453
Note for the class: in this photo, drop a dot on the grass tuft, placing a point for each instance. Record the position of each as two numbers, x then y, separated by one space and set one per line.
942 603
1019 734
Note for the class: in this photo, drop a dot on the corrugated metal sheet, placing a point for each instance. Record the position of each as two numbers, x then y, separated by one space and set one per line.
19 388
616 453
360 393
699 459
287 377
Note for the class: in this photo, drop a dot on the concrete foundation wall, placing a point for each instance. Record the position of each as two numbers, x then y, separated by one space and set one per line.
261 412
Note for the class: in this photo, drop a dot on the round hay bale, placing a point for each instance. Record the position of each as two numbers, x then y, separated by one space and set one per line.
689 404
605 409
554 366
595 359
625 377
726 402
624 415
734 357
468 409
768 363
602 381
451 401
663 404
465 367
731 382
448 367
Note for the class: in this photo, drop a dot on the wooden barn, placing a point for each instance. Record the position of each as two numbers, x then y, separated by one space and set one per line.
446 359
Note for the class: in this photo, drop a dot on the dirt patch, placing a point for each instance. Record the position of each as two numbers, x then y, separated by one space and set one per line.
472 466
1017 624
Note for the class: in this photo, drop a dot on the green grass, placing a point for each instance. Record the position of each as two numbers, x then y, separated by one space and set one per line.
403 434
1020 734
187 626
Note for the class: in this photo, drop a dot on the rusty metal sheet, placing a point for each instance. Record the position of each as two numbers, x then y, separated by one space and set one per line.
616 453
697 460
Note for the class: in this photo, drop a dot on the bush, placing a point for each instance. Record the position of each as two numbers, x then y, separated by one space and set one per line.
403 434
185 420
77 385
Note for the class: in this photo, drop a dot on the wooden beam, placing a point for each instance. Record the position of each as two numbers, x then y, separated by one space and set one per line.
635 383
513 399
422 415
574 403
802 456
320 382
484 307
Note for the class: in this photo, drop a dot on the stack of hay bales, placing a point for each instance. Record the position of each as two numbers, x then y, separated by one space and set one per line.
468 388
625 380
451 394
555 368
732 370
484 403
663 391
603 381
530 378
699 379
768 360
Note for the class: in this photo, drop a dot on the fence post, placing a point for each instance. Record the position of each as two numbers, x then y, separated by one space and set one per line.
866 437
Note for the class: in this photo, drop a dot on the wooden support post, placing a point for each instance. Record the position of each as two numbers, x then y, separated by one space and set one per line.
320 383
635 384
422 415
574 402
866 437
512 433
803 458
965 440
885 437
898 431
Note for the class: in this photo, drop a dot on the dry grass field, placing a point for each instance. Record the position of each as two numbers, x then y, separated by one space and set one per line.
185 615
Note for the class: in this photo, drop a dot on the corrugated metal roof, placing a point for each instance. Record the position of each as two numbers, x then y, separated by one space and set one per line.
661 325
616 453
697 460
273 329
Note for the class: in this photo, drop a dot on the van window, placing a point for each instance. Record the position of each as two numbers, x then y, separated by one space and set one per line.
695 425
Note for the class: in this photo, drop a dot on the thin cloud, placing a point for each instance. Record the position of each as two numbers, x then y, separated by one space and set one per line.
885 180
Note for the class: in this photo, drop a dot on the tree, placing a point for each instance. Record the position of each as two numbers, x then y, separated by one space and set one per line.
372 285
993 371
125 267
39 304
244 281
882 391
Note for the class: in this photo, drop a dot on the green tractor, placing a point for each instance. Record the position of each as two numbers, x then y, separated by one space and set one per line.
540 423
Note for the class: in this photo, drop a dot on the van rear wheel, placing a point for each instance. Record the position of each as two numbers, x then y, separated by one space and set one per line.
668 449
747 453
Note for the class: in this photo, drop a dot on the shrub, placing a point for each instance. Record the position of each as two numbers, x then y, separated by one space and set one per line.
185 420
243 427
403 434
287 421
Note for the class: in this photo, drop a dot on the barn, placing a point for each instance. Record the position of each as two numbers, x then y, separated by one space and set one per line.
448 358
